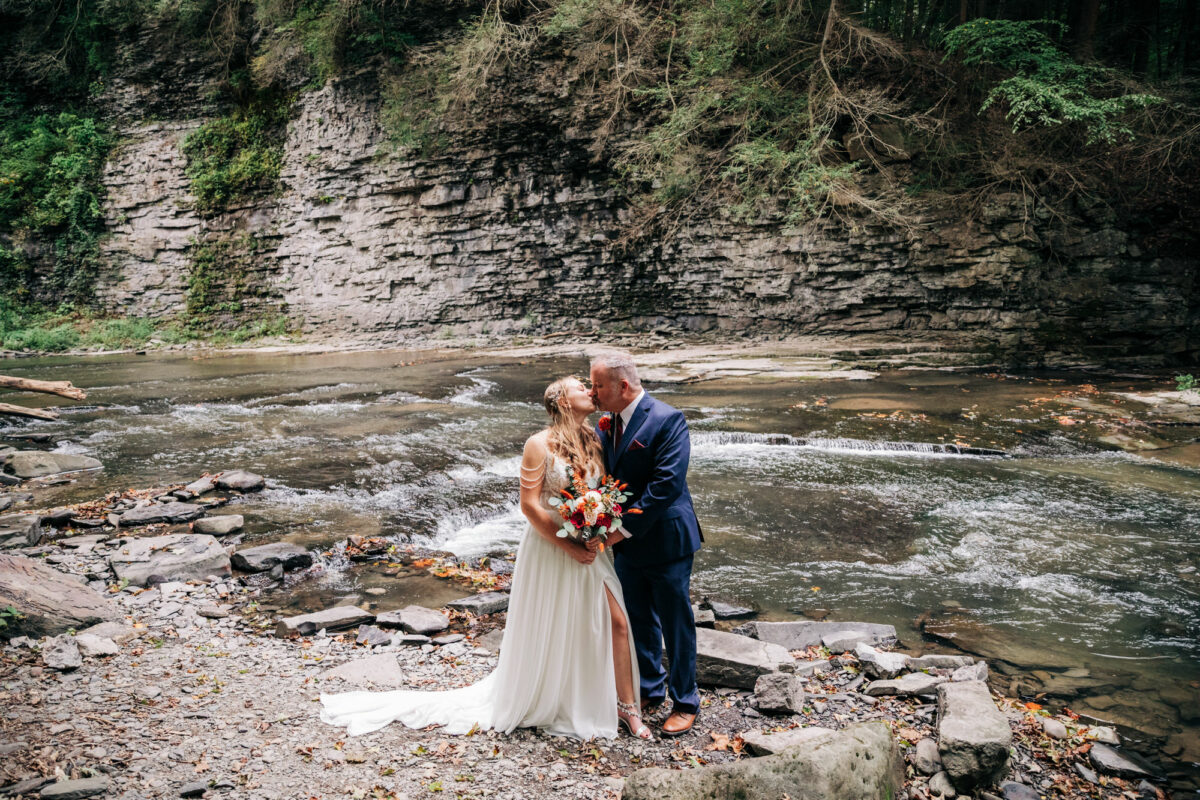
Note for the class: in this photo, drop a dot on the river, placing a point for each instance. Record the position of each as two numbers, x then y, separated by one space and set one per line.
1070 564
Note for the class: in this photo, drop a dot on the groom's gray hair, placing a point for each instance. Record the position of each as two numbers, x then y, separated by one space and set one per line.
620 366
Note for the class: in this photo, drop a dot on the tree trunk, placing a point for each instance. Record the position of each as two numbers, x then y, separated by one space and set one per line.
21 411
1141 31
61 388
1084 14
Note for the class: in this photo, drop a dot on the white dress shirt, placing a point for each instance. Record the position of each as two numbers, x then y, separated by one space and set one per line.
627 412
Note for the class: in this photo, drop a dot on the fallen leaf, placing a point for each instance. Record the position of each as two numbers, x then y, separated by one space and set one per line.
720 742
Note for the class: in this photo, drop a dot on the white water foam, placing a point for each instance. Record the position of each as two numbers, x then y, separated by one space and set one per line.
717 444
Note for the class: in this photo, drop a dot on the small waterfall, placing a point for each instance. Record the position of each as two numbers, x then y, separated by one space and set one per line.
720 438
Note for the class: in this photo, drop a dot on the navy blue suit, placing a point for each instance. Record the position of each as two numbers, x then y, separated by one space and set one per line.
655 563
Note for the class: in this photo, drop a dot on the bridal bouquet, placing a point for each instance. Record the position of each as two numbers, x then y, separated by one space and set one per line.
591 508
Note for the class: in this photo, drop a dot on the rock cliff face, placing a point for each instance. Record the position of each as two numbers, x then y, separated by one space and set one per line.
511 227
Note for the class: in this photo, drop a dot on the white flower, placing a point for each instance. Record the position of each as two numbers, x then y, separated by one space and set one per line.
591 506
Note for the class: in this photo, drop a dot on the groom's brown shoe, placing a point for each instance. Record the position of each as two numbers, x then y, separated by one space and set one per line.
678 724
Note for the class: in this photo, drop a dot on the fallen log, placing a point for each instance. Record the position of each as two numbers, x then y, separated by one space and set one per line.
62 388
21 411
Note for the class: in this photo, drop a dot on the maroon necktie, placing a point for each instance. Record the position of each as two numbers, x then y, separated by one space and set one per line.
618 428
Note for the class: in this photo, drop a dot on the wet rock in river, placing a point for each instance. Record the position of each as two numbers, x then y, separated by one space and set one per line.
779 693
61 653
20 530
914 683
49 601
265 557
1124 764
240 480
973 736
333 619
728 610
765 744
482 604
27 464
415 619
220 525
799 635
858 762
727 659
161 512
178 557
202 485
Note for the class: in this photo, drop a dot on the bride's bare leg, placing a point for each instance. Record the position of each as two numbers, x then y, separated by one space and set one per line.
623 665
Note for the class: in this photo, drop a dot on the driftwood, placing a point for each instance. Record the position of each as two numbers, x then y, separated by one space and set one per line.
62 388
21 411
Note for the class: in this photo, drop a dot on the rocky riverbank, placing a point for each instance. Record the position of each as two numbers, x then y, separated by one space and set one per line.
155 669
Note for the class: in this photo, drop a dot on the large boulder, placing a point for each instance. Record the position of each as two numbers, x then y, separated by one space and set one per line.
973 736
727 659
49 601
914 683
779 693
332 619
266 556
381 671
175 557
37 464
879 663
241 480
62 653
415 619
161 512
219 526
762 743
799 635
482 604
859 762
20 530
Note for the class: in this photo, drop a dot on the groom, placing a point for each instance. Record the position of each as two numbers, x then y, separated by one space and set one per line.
646 445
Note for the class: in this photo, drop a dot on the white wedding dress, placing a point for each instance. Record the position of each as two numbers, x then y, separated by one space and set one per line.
555 670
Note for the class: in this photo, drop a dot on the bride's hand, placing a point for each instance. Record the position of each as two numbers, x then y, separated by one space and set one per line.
580 553
594 544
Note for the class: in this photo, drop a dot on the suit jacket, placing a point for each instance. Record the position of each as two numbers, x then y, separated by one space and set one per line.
653 460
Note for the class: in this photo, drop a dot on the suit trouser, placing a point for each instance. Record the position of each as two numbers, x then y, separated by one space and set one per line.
659 605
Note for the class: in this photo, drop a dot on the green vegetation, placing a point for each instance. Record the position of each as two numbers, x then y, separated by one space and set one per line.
50 193
10 614
234 157
1045 86
1185 383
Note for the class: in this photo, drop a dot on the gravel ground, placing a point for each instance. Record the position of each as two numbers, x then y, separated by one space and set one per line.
203 698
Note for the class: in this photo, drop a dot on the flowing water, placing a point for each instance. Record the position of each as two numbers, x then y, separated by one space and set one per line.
1072 566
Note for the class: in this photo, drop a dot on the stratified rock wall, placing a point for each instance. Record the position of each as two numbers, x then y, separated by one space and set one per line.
511 227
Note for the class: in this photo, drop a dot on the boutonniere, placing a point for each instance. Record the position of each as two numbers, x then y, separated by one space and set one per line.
605 423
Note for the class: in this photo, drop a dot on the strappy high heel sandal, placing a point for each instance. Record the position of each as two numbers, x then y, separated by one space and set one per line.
628 711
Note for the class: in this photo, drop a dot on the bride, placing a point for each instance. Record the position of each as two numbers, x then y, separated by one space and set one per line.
567 663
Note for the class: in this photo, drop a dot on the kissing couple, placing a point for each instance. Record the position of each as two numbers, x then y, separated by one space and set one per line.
582 650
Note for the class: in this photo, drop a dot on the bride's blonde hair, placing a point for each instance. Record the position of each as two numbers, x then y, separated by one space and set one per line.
578 445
